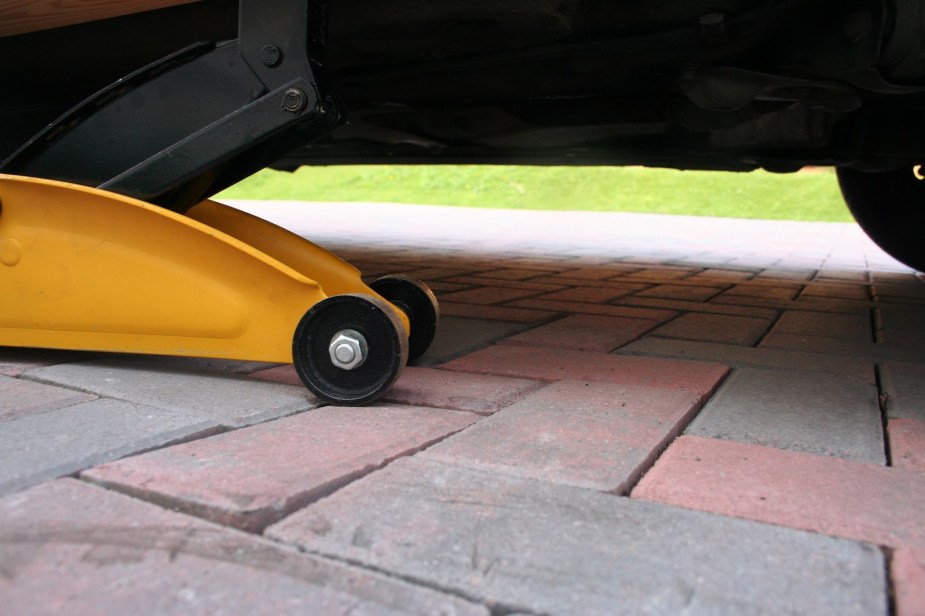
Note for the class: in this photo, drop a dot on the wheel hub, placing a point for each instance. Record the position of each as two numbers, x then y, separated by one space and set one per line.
348 349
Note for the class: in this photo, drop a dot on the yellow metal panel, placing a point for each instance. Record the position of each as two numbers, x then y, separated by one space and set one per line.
336 277
82 268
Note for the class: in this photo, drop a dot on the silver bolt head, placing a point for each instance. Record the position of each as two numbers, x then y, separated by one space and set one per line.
294 100
348 349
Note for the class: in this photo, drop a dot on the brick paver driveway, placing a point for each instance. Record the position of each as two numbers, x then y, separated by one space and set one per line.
621 414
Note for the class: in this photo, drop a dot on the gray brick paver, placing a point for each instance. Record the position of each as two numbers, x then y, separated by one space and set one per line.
902 326
913 292
60 442
762 357
226 399
584 333
744 331
904 389
800 411
856 327
806 303
554 549
694 293
761 291
457 336
859 292
67 547
14 361
714 307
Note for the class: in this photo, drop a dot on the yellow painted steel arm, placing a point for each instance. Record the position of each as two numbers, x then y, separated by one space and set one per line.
336 276
82 268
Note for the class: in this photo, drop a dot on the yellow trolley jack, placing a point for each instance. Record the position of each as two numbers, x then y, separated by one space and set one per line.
87 269
108 241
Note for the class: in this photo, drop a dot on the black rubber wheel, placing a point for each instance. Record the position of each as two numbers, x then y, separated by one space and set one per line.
890 207
417 301
385 342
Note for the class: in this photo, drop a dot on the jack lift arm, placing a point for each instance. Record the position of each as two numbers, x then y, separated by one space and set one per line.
108 241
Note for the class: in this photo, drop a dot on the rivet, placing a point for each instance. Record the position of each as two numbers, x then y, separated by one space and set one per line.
271 55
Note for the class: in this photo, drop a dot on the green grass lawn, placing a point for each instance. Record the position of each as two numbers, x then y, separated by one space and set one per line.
809 195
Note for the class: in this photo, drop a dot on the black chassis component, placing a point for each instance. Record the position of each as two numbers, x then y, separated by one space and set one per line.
708 84
775 84
197 121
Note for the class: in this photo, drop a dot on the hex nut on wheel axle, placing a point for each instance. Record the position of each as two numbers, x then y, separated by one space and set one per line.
348 349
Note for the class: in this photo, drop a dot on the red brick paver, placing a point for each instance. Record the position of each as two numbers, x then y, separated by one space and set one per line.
907 443
630 312
556 365
495 290
594 435
659 274
445 389
488 295
512 274
726 275
252 477
499 313
590 295
693 293
859 501
908 573
285 374
478 393
603 271
584 332
714 307
763 291
20 398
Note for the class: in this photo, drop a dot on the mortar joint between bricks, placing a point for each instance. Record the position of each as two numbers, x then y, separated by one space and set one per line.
770 328
887 553
876 325
883 400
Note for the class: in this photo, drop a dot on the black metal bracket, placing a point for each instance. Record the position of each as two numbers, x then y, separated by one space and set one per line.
195 122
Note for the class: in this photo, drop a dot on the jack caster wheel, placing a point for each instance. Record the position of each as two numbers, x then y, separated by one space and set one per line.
348 349
417 301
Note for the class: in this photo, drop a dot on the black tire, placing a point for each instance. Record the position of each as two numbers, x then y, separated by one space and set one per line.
416 300
387 349
890 207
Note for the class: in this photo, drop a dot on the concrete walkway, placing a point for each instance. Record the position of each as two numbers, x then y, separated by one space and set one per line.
622 414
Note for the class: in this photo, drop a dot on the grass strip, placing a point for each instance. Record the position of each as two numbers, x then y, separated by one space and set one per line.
809 195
